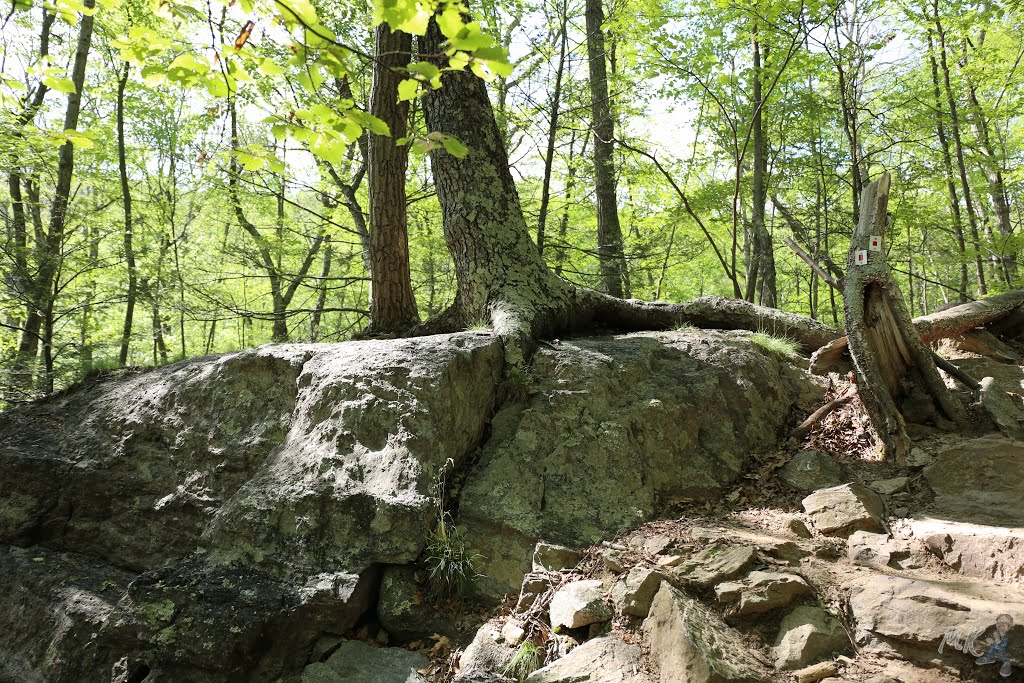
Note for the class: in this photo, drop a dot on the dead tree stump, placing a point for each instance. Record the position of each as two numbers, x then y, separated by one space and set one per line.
897 378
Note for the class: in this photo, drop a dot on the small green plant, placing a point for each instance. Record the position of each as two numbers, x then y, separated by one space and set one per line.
684 327
481 325
781 346
524 662
517 382
450 565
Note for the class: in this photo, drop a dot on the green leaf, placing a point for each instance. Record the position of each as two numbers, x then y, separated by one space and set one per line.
59 84
328 148
269 67
371 123
408 89
249 162
454 147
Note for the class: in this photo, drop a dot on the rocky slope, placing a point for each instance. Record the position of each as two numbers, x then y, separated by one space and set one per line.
227 518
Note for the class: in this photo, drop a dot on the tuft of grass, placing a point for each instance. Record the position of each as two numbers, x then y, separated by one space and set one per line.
481 325
517 382
780 346
450 565
685 327
524 662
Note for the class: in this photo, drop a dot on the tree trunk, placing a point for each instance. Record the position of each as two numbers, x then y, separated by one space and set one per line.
556 105
392 304
502 277
761 268
894 365
954 125
126 203
51 257
609 233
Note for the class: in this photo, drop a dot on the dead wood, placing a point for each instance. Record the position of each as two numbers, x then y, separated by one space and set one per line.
895 367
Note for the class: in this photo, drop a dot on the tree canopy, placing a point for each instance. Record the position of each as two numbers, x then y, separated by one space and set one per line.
184 178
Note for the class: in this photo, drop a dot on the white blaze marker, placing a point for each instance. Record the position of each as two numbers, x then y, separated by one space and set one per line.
861 257
875 243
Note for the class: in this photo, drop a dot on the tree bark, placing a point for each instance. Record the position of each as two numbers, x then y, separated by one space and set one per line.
500 274
556 105
893 363
392 304
761 269
954 125
126 204
609 233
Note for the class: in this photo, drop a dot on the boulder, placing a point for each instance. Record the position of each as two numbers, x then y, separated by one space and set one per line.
1005 413
979 480
808 635
579 603
841 510
978 550
691 643
811 470
634 593
613 429
534 586
762 592
488 651
910 618
550 557
357 662
881 550
249 495
712 565
606 659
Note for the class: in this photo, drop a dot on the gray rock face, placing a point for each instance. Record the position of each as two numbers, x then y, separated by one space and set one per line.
600 660
979 481
249 492
487 652
1006 414
808 635
691 643
841 510
634 593
403 612
809 471
616 426
579 603
911 618
762 592
989 552
712 565
357 662
244 502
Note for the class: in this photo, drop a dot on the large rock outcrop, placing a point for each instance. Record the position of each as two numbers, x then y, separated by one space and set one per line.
210 520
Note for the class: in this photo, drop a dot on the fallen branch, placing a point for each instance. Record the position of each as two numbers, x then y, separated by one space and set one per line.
821 413
812 263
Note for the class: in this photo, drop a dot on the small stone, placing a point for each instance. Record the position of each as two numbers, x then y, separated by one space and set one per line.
816 672
579 603
633 594
657 544
762 592
613 560
670 560
534 585
900 512
551 558
807 635
888 487
841 510
811 470
798 527
714 564
918 458
869 550
512 632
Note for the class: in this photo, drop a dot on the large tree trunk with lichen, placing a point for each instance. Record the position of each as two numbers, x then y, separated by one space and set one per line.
501 275
894 365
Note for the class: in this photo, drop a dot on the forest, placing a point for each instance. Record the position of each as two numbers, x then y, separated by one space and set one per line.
186 178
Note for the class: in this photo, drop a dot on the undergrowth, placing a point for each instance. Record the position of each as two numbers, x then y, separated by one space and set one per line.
450 565
781 346
524 662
